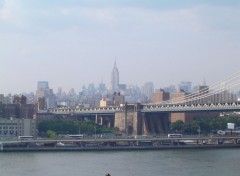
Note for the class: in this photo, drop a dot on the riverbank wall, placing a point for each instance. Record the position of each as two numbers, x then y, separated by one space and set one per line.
128 148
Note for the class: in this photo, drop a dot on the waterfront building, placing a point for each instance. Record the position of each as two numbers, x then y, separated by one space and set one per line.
17 127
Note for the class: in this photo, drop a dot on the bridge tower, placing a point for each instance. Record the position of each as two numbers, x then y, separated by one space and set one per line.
133 122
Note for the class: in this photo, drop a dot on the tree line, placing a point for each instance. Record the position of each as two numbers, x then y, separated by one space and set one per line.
205 124
54 127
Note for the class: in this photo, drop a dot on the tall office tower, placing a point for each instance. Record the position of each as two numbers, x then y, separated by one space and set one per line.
148 89
51 99
41 85
102 88
44 91
59 93
115 78
170 89
91 89
186 86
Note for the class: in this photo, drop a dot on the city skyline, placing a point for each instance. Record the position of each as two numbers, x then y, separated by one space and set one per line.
115 86
75 43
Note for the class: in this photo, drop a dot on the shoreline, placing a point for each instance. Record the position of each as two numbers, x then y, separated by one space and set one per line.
128 148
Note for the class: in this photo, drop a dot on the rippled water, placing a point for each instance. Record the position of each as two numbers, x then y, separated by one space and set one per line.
206 162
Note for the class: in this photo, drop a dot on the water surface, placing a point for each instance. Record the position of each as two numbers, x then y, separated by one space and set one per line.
185 162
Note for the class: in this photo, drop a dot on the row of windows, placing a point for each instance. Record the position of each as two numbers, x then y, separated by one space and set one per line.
9 127
10 123
9 132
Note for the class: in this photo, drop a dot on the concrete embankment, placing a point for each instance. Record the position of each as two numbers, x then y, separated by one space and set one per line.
117 148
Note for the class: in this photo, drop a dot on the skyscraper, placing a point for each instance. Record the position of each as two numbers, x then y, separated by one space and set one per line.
44 91
148 89
115 78
186 86
42 85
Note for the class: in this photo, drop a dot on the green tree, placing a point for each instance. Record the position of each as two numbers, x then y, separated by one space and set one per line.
177 126
51 134
71 127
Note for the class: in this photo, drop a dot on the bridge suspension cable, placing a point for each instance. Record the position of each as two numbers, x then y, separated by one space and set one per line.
223 86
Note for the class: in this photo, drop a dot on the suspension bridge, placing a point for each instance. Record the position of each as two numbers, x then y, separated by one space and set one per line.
220 96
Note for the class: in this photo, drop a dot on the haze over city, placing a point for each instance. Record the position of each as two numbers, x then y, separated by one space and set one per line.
74 43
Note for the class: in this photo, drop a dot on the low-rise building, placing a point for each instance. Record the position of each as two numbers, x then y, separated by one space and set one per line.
17 127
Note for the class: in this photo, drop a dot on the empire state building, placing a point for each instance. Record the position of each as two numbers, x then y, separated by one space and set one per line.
115 78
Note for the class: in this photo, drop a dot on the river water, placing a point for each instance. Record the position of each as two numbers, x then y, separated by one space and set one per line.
182 162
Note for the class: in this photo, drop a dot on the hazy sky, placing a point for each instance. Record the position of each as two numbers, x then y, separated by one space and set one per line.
72 43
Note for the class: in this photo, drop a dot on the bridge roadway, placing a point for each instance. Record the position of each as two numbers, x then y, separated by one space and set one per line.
234 106
119 143
151 108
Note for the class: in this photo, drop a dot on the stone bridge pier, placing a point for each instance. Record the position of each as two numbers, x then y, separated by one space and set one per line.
105 120
133 122
155 123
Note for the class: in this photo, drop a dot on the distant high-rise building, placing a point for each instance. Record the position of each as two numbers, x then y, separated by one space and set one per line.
41 85
59 93
115 78
102 88
186 86
170 89
91 89
16 99
41 104
160 96
44 91
51 99
18 109
148 89
118 99
122 87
